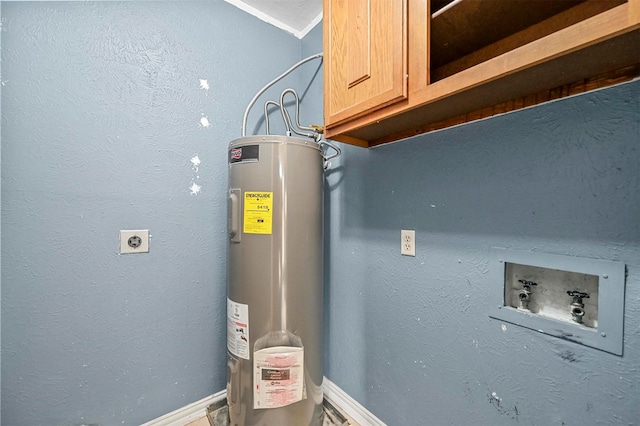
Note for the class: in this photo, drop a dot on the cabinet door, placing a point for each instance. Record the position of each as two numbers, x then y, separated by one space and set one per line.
365 56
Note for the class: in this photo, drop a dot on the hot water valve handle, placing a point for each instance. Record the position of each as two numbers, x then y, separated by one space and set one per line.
577 296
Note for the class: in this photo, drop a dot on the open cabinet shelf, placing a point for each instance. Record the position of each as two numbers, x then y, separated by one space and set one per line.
470 59
471 32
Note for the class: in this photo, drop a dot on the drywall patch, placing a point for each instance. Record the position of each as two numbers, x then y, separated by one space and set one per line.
204 84
195 167
195 188
204 121
195 163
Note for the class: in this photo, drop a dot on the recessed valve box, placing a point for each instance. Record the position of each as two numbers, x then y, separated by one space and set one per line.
576 299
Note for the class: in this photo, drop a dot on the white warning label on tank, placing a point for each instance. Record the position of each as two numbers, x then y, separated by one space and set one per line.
238 329
278 376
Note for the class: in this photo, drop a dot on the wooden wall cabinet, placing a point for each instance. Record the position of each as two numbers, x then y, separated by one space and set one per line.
397 68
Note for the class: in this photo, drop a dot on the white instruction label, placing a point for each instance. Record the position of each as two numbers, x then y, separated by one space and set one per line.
278 376
238 329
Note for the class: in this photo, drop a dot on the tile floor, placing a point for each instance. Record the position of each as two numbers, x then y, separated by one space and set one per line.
218 417
202 421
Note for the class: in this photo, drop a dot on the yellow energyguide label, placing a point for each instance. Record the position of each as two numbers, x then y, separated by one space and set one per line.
258 212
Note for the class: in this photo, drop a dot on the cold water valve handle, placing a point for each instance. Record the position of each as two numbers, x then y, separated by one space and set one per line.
578 296
526 283
577 307
525 293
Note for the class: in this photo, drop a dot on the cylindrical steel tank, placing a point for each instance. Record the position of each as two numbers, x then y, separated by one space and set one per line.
274 288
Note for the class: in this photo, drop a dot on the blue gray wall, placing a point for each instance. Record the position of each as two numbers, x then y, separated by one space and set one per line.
410 338
101 110
101 115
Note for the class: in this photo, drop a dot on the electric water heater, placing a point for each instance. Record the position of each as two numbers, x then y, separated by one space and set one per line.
274 292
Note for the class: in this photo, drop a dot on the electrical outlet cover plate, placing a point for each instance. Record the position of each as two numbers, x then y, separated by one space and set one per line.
134 241
408 242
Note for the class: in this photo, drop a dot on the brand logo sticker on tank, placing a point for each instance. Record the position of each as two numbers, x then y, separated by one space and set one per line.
244 154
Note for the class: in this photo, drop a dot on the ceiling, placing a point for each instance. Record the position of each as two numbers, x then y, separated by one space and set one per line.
297 17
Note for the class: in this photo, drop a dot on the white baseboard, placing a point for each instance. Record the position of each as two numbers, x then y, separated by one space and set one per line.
188 413
349 406
336 396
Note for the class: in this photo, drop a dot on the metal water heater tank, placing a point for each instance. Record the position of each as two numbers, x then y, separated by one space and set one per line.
275 266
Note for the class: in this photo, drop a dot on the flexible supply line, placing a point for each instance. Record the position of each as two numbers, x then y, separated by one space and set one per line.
281 76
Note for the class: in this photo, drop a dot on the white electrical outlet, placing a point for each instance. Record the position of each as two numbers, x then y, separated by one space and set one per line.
134 241
408 242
